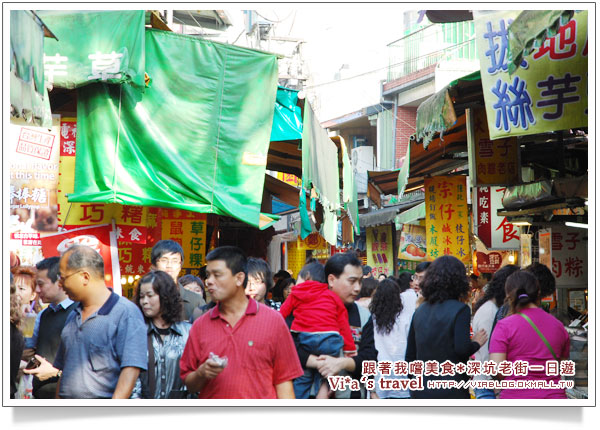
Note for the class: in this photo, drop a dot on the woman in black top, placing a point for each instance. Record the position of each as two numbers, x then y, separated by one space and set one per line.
440 327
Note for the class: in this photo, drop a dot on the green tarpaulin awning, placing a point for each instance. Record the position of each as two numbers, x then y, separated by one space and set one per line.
287 120
529 31
95 46
436 114
28 94
320 169
410 215
349 193
197 139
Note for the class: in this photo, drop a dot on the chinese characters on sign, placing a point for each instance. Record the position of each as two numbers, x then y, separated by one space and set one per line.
569 256
494 231
547 92
189 230
447 217
497 161
380 254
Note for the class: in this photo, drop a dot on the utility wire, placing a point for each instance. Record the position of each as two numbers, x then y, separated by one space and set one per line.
449 49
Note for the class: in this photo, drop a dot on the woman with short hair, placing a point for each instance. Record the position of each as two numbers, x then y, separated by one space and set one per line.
440 329
529 334
158 298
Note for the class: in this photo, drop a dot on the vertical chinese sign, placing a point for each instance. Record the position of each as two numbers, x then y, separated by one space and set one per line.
33 154
497 161
189 230
447 217
547 92
380 253
526 250
569 257
494 231
545 242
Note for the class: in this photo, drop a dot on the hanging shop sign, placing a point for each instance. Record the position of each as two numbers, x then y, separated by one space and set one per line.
569 256
102 238
33 154
525 250
545 247
447 217
189 230
290 179
413 243
380 253
497 161
113 52
547 92
494 231
312 241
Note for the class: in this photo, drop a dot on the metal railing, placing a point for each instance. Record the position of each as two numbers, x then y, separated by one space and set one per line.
430 44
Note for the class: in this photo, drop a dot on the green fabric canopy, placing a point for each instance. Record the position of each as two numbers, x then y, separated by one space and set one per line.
435 115
349 193
95 46
529 31
197 139
28 93
287 120
320 169
410 215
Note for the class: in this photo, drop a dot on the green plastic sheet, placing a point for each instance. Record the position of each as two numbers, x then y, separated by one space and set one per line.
435 115
28 94
95 46
287 119
197 139
349 193
529 31
320 169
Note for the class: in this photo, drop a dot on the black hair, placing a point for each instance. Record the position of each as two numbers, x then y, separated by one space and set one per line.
486 276
285 283
524 289
385 306
368 287
445 279
473 276
403 281
163 247
190 279
84 257
367 270
495 289
382 274
337 263
234 258
259 268
421 267
313 271
50 264
282 274
544 277
171 303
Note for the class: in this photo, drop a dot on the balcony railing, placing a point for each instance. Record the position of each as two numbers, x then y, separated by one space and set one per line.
430 44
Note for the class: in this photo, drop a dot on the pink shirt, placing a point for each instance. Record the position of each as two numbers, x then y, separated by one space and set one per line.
259 348
519 341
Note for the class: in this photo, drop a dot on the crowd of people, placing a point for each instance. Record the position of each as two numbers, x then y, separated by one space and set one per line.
239 331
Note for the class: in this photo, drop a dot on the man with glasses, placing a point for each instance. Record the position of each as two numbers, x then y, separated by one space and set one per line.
167 255
417 278
103 344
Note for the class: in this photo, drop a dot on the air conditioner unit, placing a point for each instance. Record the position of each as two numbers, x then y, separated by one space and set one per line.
363 203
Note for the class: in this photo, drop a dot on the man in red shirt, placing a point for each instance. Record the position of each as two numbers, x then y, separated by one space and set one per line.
261 357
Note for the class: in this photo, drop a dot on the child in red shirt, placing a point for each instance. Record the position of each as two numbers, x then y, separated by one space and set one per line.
321 321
